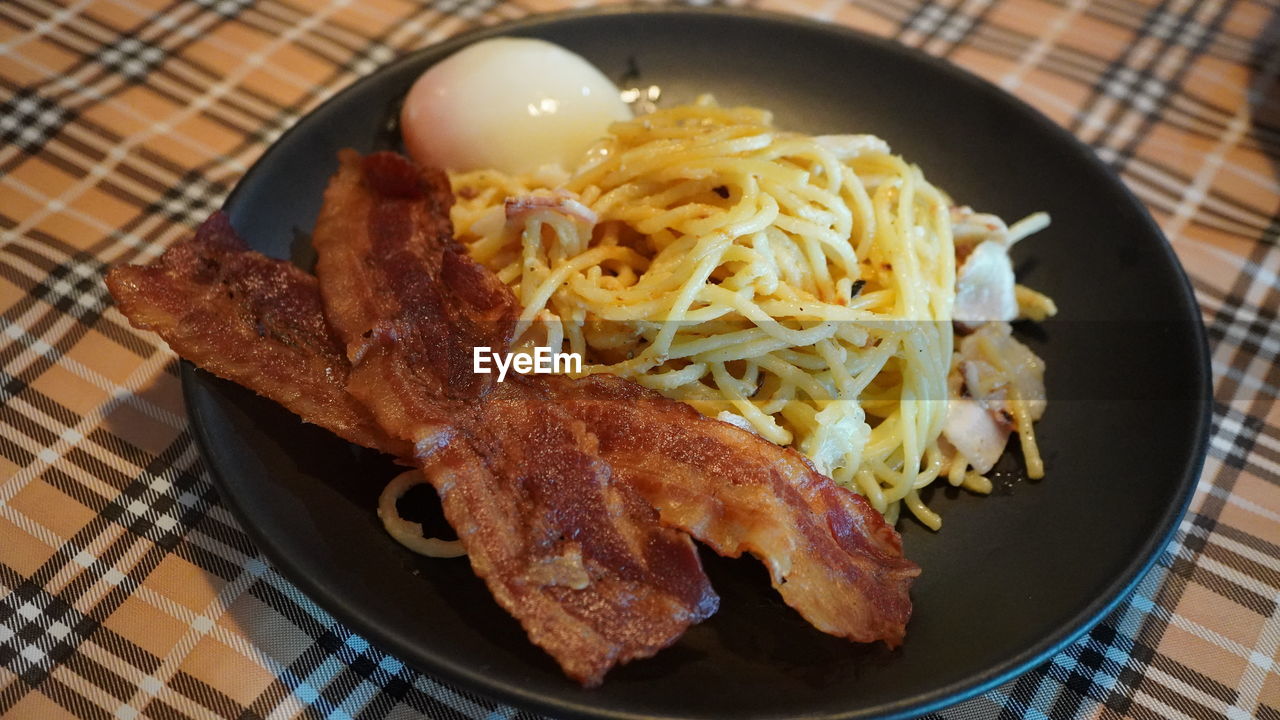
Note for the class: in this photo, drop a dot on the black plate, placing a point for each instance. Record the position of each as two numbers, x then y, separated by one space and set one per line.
1010 579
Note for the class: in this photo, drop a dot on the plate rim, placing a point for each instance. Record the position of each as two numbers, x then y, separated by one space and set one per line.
1115 592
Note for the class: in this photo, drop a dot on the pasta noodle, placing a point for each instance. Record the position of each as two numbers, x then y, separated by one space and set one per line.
407 532
801 287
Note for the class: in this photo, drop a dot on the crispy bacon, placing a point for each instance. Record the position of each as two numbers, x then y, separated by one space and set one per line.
252 320
555 486
831 555
575 555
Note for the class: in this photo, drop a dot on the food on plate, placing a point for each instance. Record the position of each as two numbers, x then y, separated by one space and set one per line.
803 287
516 104
788 337
572 497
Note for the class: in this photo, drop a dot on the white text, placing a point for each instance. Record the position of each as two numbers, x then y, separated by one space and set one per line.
541 361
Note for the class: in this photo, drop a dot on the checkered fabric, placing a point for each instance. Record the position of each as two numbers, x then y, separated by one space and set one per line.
128 590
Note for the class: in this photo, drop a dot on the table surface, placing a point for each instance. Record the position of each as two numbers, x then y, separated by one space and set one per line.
128 590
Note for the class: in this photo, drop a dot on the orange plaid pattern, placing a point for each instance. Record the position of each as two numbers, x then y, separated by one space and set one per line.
126 588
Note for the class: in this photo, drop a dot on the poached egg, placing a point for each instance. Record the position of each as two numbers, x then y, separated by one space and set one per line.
510 104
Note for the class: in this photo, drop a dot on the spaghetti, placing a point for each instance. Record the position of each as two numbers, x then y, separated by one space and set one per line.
407 532
801 287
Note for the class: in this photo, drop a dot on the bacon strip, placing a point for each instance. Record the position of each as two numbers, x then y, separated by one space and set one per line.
576 556
831 555
252 320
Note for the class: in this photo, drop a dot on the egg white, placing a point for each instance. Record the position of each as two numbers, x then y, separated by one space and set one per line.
510 104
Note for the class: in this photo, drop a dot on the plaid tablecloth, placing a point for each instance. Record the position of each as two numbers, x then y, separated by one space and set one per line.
128 590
